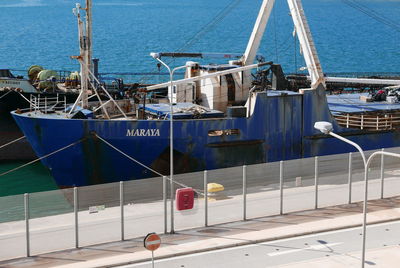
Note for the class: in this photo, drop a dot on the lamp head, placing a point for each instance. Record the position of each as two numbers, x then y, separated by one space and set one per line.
155 55
324 127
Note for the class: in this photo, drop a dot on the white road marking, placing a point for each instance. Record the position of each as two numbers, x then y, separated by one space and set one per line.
312 247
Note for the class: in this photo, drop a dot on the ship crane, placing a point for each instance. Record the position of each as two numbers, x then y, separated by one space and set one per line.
258 32
306 43
316 75
304 35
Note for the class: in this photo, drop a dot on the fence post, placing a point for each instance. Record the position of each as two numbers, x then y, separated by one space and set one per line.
165 204
121 204
316 181
205 199
281 186
244 191
172 204
76 217
26 208
350 177
382 173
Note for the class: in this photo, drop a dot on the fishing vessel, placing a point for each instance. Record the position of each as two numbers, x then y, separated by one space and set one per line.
217 116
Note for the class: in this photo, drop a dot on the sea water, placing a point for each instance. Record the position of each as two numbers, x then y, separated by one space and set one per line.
44 32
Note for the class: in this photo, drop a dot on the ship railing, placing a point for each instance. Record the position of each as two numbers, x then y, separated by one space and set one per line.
370 122
47 104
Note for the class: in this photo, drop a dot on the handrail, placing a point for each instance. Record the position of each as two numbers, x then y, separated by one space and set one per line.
370 121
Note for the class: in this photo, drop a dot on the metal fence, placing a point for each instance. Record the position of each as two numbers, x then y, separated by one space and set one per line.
85 216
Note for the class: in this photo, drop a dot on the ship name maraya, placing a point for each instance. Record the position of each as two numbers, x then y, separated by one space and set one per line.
140 132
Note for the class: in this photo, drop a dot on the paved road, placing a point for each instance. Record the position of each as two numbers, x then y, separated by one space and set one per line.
289 251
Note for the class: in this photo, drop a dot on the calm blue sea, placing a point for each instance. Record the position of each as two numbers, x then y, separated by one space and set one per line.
44 32
125 32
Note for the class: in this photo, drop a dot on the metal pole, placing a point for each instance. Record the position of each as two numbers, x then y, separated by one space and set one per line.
89 32
364 225
171 138
95 69
26 206
121 203
76 217
244 192
382 172
351 143
165 204
350 178
316 181
281 186
152 259
171 146
365 187
366 165
205 199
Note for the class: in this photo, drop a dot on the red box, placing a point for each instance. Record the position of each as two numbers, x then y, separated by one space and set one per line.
184 198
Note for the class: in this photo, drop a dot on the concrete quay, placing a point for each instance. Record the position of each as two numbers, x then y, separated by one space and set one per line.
227 235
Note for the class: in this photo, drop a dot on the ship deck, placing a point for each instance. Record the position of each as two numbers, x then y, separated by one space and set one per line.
351 103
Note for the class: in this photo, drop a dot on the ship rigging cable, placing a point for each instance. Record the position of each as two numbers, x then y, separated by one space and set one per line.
372 14
11 142
6 94
206 28
141 164
40 158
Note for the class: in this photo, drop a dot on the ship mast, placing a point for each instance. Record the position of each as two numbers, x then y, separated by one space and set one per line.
85 49
89 34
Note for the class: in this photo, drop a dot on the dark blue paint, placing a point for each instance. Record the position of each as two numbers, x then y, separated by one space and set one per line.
280 128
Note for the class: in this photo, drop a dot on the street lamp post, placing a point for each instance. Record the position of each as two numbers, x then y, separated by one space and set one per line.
171 135
326 128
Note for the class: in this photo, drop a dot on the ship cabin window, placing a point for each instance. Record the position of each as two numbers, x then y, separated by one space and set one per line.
224 132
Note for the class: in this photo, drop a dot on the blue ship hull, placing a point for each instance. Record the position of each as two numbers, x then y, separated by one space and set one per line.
280 128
